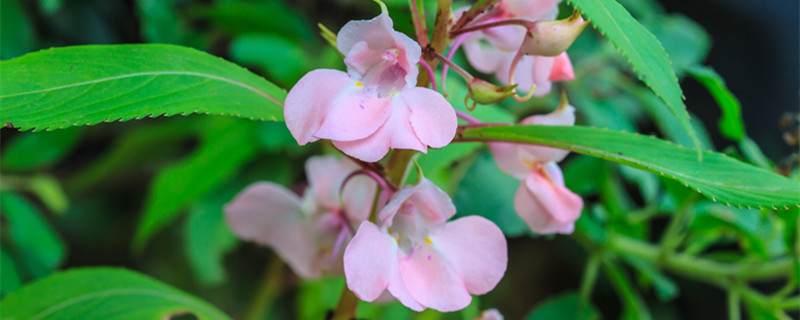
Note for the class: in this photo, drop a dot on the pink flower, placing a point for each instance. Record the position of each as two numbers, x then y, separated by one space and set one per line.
375 105
490 314
422 260
307 233
492 50
542 200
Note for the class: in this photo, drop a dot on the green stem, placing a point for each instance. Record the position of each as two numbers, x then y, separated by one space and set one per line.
590 277
699 268
346 309
673 236
733 305
397 168
267 291
633 306
792 303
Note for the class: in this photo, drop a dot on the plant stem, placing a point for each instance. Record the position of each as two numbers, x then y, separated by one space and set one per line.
397 168
590 277
346 309
673 236
699 268
733 305
508 22
267 291
633 306
791 303
419 23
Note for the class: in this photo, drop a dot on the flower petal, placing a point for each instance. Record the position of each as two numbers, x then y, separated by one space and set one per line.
545 206
563 116
476 248
354 114
432 117
369 261
325 175
433 203
483 56
269 215
308 102
396 133
508 158
432 281
562 69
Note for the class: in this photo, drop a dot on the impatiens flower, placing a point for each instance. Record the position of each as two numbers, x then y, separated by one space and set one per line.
375 105
420 258
490 314
542 200
492 50
307 233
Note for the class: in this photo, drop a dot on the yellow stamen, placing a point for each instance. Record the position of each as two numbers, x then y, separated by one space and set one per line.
359 84
428 240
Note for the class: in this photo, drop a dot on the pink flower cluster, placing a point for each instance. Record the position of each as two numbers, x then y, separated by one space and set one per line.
375 105
542 200
409 248
494 50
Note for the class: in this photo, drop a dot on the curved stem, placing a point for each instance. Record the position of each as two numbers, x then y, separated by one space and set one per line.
419 23
453 48
463 73
511 73
507 22
466 117
267 291
589 277
424 64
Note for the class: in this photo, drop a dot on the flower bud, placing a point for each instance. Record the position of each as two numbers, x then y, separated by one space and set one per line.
551 38
486 93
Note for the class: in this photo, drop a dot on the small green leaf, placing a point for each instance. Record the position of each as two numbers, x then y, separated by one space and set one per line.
643 51
208 238
49 191
36 150
718 176
225 146
730 125
10 278
752 152
40 249
85 85
565 306
665 288
103 293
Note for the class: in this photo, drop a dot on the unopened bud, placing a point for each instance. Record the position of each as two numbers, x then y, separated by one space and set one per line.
551 38
486 93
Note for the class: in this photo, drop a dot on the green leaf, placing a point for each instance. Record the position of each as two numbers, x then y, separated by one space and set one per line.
49 191
270 17
685 41
752 152
16 31
225 146
160 23
40 249
85 85
488 192
103 293
565 306
643 51
718 176
317 297
730 125
285 63
135 147
10 278
36 150
207 239
665 288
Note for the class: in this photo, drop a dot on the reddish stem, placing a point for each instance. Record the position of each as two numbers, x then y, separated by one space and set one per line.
507 22
424 64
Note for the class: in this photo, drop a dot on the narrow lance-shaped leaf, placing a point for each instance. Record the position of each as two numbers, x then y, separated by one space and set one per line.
225 146
86 85
730 125
103 293
643 51
718 176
